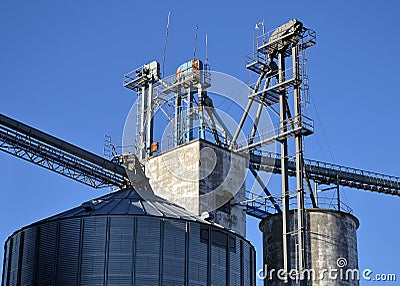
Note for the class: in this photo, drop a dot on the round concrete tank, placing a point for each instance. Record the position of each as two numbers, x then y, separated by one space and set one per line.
123 239
330 243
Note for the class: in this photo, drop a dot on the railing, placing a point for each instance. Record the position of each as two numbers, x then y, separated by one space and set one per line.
273 39
179 84
290 127
130 77
332 204
170 141
260 206
134 79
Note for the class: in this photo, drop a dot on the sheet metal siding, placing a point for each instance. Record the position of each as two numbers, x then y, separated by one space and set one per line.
14 267
46 254
28 257
247 258
148 251
126 250
253 270
235 269
68 246
174 242
93 251
198 254
218 266
6 262
120 251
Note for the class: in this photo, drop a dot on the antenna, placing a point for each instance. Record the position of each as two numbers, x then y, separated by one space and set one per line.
206 49
195 41
257 27
165 43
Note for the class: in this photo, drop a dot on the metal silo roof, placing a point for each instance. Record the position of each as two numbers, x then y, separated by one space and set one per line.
128 202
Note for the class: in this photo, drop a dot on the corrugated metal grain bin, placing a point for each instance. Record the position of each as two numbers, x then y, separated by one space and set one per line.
124 239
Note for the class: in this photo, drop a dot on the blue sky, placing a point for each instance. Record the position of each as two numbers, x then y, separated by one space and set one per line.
61 69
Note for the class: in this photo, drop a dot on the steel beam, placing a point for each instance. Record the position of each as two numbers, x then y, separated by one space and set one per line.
59 156
328 173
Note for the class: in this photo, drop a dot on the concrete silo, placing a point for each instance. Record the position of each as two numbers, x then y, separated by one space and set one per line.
331 248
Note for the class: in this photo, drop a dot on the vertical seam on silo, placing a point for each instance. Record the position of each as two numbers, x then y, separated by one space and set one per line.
252 266
37 239
4 264
107 249
187 236
228 260
80 251
209 258
20 252
161 253
9 260
241 264
134 251
55 269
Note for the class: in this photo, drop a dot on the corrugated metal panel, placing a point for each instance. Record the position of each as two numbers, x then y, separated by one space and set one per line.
28 257
198 252
120 253
7 258
252 267
147 251
68 252
174 253
14 266
246 264
234 264
113 248
46 255
93 251
218 266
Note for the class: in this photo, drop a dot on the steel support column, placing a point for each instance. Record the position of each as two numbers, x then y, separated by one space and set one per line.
246 111
178 119
284 172
142 135
200 106
298 138
150 123
189 116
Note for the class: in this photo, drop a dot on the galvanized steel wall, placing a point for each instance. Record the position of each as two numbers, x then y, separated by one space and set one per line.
127 250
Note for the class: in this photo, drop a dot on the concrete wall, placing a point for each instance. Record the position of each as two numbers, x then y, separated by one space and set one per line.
201 176
330 235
